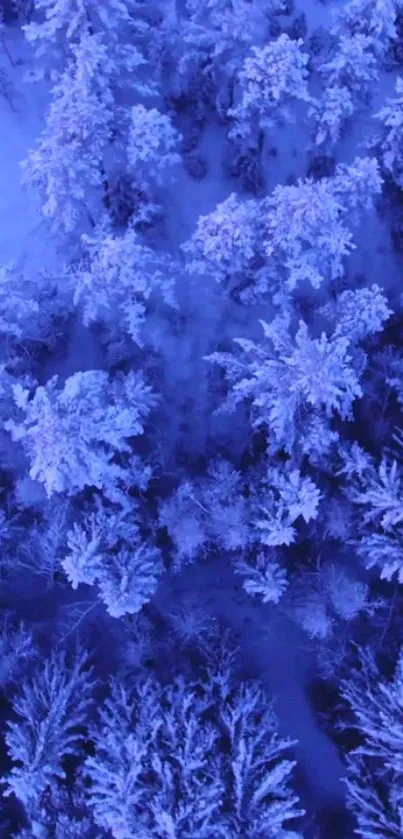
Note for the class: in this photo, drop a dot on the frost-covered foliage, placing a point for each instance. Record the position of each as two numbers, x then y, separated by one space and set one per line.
153 145
272 79
353 67
264 577
306 232
241 515
374 769
281 498
319 600
225 242
30 307
210 42
147 535
117 277
41 552
385 551
347 78
67 166
209 511
377 491
17 308
357 314
51 709
307 226
357 185
195 788
289 380
390 135
330 112
374 19
347 597
294 234
17 651
73 435
108 550
64 23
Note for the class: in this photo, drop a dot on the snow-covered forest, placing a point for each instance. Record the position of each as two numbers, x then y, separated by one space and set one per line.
201 444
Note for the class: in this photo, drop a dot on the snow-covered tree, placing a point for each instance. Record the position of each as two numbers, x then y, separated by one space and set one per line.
288 380
66 167
218 767
330 112
211 43
272 79
51 711
383 550
65 22
374 769
347 78
259 769
40 553
16 304
278 500
264 577
353 65
30 306
72 435
306 232
307 226
118 274
107 549
374 19
357 314
225 242
161 729
347 597
318 600
357 186
212 510
390 136
376 490
17 651
152 148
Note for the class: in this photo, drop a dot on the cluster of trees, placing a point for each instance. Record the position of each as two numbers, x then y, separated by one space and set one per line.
298 486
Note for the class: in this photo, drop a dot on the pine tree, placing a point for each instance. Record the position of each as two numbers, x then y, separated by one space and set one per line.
347 79
66 22
51 709
67 167
374 19
212 41
72 435
374 769
119 273
225 242
307 226
152 148
108 550
357 314
182 761
285 379
272 79
390 135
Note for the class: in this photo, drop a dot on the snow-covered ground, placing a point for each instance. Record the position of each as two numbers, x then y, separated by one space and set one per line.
24 238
